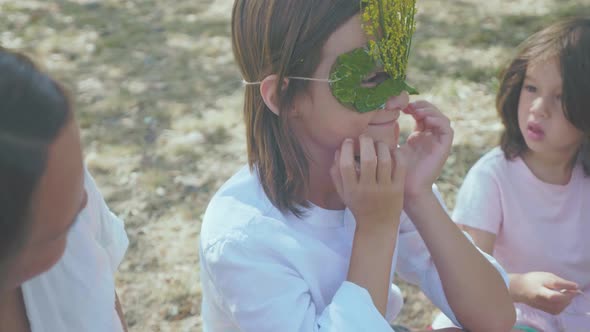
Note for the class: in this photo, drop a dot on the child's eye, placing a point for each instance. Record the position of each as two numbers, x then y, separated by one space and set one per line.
530 88
375 79
558 97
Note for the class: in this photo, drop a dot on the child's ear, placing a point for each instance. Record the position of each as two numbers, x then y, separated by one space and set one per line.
268 91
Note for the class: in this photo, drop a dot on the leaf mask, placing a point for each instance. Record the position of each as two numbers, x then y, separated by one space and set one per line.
389 24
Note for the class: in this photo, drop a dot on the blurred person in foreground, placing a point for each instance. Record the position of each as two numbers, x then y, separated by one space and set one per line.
59 243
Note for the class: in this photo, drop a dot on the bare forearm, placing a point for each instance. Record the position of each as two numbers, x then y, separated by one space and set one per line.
473 287
515 287
120 312
370 263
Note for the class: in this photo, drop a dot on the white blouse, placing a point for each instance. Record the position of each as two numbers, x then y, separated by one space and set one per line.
262 270
78 293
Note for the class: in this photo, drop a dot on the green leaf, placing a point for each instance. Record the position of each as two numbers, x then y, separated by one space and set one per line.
347 75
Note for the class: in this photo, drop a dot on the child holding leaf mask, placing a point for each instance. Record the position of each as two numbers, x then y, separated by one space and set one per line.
304 239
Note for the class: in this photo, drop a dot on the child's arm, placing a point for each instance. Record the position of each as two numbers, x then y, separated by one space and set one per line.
120 312
375 197
372 250
483 240
541 290
467 277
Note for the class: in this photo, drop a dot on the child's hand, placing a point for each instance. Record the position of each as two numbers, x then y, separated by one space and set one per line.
544 291
374 193
428 146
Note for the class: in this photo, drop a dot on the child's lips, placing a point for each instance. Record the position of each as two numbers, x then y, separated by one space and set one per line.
386 120
383 123
535 131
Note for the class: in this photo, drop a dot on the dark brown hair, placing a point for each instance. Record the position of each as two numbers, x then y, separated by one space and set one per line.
33 109
285 38
569 42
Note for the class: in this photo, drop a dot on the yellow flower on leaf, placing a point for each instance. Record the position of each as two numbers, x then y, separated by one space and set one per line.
390 24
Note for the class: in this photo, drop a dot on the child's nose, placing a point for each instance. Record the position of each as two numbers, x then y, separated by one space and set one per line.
398 102
539 107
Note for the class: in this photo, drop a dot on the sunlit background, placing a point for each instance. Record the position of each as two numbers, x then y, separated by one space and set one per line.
159 102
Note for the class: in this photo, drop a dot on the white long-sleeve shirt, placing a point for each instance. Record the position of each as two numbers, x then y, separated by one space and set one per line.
262 270
78 293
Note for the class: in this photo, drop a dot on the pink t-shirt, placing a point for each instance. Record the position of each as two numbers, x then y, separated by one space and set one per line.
538 226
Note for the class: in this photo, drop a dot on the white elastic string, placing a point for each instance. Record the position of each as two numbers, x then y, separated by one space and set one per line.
296 78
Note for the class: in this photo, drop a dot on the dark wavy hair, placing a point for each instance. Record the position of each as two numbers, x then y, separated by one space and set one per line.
33 109
569 42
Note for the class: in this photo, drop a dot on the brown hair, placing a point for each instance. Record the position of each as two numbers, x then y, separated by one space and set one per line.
285 38
33 109
568 41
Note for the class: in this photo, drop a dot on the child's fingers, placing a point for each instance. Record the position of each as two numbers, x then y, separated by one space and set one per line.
399 166
555 295
438 125
421 109
419 126
346 164
368 159
383 163
418 104
558 283
556 301
421 114
569 296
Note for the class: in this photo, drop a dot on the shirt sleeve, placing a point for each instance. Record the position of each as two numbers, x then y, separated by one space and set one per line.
478 201
263 293
110 232
415 265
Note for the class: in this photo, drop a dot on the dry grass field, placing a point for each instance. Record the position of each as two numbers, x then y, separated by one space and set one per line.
158 99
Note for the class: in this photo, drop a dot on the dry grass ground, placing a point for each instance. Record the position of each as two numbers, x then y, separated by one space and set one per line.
158 99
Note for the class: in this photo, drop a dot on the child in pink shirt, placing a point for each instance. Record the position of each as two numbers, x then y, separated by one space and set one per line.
527 201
